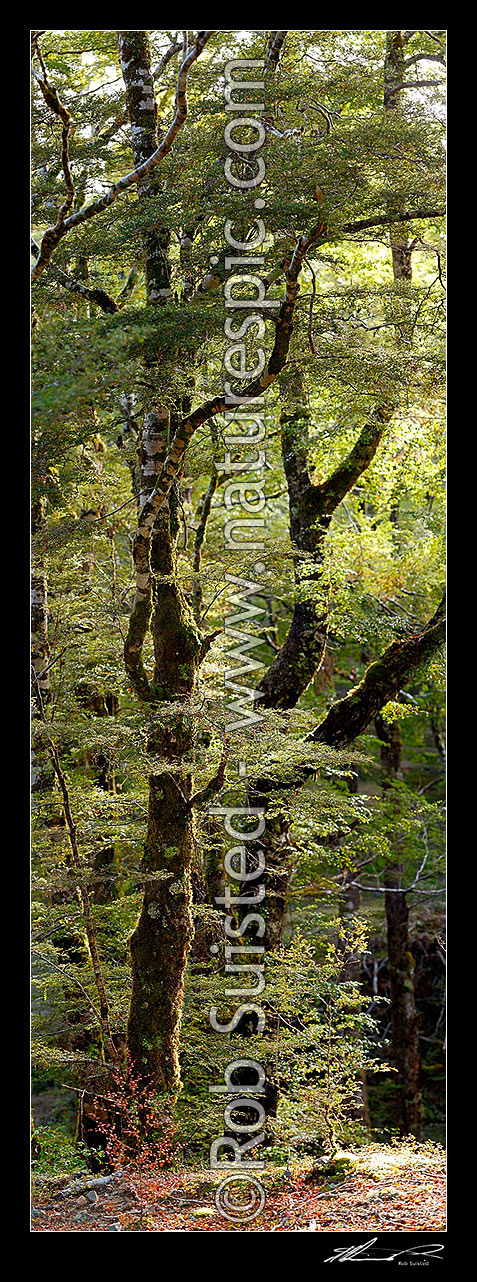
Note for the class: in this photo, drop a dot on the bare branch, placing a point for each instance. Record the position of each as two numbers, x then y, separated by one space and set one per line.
417 84
174 48
424 57
62 970
432 35
56 106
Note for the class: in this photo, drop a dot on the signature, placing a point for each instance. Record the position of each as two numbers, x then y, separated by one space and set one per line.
369 1252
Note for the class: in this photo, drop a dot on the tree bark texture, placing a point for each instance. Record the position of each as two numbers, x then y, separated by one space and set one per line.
161 941
349 717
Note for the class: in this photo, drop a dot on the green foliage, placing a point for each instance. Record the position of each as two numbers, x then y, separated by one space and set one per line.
58 1154
359 339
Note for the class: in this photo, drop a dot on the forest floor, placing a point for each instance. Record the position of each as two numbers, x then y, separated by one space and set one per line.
388 1189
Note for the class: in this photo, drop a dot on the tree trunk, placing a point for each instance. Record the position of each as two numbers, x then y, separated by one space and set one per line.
41 775
405 1021
394 78
161 942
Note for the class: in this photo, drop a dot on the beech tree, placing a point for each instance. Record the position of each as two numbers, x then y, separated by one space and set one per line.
130 416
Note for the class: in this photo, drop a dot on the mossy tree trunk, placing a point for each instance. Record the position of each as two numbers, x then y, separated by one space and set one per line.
349 716
299 657
178 644
161 941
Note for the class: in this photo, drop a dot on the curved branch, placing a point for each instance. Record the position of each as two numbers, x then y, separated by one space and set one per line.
384 220
186 429
52 100
424 57
349 717
327 496
53 235
302 652
206 794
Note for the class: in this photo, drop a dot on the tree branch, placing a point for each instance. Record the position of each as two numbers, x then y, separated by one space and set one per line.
98 296
186 429
424 57
53 235
325 498
417 84
349 717
56 106
217 405
311 508
202 798
385 220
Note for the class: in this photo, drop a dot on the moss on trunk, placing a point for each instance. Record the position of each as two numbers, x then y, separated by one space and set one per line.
162 938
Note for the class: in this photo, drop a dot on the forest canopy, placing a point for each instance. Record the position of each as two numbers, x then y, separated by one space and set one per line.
238 598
